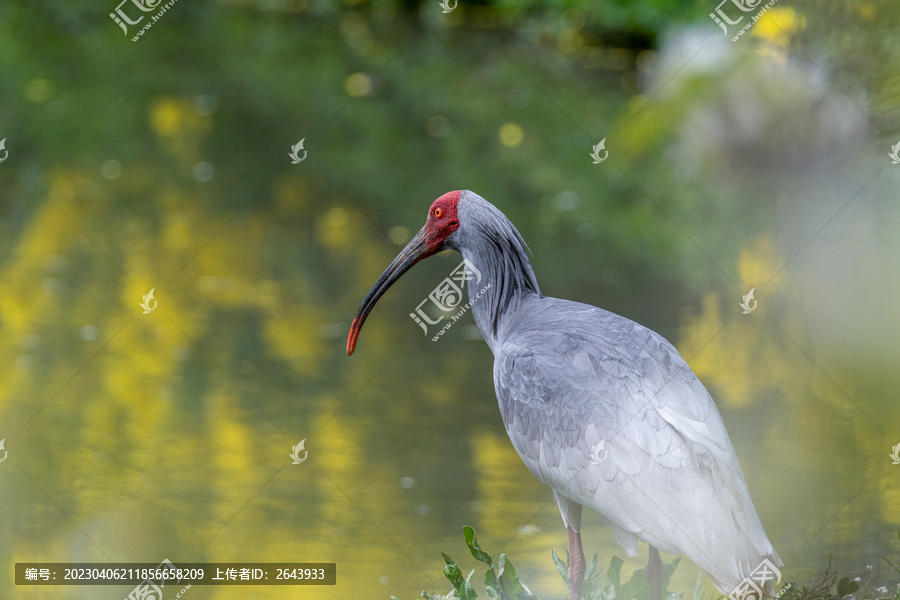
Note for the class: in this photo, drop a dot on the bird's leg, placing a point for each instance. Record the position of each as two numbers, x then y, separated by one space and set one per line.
576 564
653 573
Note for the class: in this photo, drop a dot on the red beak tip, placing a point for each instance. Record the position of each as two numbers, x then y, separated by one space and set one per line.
351 338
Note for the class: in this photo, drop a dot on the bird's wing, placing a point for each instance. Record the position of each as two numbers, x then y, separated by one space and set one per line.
670 475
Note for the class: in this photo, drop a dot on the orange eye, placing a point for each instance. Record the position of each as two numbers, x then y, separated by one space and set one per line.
438 213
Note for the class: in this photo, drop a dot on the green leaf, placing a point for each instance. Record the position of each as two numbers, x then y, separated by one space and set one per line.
699 591
467 592
614 571
562 567
668 571
475 548
637 586
592 571
462 587
490 579
510 586
846 587
454 575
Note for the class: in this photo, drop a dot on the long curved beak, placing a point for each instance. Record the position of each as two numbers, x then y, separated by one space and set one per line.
414 251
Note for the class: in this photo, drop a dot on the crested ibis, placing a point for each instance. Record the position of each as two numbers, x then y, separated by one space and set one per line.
573 380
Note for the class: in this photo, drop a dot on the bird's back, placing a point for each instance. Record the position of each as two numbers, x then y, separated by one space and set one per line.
608 414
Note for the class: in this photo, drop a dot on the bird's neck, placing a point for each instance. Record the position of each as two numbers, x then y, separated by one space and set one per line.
506 280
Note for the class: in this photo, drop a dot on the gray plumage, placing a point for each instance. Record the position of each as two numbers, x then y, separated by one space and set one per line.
569 376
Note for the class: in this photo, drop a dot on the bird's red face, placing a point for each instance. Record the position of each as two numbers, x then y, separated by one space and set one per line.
443 219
